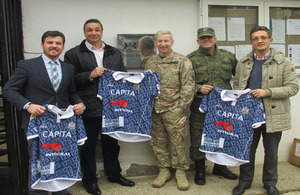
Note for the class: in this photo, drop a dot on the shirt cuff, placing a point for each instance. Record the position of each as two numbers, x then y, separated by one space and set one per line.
25 107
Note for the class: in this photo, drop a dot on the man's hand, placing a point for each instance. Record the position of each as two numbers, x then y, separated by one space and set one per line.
259 93
36 109
78 109
205 89
98 71
149 71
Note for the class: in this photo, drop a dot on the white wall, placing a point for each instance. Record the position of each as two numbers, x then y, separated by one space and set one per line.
128 16
117 17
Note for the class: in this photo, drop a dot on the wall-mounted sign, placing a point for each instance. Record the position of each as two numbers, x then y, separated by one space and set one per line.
128 44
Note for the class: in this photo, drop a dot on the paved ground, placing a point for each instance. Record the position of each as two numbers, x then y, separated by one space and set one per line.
288 184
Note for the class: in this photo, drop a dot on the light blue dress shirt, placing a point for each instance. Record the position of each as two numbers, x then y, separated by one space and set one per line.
49 69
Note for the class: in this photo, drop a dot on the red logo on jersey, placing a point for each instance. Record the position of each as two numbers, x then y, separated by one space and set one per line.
227 126
122 103
54 146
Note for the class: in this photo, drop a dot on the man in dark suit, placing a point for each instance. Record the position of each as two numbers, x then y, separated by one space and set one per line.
30 87
91 58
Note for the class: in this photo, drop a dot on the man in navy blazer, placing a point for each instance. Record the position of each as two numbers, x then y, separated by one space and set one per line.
30 87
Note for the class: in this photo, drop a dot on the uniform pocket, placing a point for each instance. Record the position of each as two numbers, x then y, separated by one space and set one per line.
201 73
226 70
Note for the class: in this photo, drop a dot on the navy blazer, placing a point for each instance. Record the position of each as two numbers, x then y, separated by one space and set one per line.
31 83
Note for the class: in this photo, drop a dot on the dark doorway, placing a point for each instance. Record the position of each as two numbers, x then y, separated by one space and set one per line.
13 149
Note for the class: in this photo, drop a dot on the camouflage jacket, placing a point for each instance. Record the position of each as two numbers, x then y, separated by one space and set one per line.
177 81
145 60
215 70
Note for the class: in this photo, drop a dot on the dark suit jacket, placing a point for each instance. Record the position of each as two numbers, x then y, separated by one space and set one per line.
31 83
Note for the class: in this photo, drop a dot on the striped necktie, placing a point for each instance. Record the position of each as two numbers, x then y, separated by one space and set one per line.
55 77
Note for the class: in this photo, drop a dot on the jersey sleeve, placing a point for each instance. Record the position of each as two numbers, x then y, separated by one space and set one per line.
259 118
102 83
32 131
81 135
204 104
100 87
155 89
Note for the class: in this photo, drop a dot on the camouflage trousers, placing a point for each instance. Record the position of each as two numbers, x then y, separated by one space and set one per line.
170 127
196 128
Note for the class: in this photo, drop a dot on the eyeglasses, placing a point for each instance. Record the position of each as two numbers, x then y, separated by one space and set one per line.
263 38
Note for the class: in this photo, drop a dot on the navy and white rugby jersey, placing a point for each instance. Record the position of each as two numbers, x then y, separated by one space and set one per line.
127 104
55 136
231 117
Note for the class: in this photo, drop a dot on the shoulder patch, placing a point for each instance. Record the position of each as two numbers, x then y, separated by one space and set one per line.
292 69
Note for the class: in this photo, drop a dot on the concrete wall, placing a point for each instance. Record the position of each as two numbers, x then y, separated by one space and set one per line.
128 16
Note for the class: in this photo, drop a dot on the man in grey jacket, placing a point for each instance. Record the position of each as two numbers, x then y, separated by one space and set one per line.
272 77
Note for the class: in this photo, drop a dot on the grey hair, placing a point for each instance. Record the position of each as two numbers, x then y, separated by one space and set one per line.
161 32
147 42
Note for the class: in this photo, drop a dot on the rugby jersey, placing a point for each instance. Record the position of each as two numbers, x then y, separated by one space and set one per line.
55 135
127 104
231 117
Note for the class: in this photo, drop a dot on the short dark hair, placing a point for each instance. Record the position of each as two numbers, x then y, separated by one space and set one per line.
92 21
53 33
259 28
147 42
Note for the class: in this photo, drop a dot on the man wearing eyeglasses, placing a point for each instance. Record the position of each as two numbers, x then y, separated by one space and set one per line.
213 67
272 77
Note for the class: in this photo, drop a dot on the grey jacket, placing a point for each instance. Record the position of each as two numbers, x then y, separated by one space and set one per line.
279 78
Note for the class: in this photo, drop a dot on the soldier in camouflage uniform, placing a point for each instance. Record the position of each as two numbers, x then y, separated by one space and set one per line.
146 46
169 121
213 67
